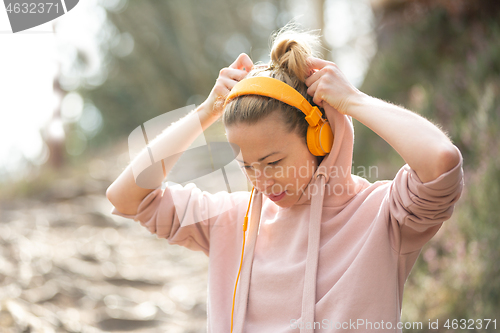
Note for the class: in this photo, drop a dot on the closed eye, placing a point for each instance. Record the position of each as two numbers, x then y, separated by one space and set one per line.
270 163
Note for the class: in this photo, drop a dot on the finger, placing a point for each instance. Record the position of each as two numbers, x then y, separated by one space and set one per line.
221 88
234 74
229 84
313 78
225 86
312 89
317 63
317 95
242 62
316 66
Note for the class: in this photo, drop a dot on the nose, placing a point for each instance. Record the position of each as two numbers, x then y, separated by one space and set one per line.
262 182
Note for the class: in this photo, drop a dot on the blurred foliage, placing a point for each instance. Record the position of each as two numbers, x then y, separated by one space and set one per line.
179 48
445 65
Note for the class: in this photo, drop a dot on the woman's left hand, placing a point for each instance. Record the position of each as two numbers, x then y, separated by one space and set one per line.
328 84
423 146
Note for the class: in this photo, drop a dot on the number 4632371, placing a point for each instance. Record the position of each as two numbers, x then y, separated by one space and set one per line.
470 324
32 8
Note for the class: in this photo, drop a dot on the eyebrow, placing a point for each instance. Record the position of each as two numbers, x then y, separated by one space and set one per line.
262 158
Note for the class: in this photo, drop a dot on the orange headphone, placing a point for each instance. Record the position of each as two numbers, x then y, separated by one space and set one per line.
319 132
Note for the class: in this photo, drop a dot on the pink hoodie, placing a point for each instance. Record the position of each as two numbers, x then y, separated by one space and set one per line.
335 261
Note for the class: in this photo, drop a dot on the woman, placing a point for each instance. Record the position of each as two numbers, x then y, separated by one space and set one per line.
326 250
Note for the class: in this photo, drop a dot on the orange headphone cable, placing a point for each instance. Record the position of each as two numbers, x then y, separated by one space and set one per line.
245 223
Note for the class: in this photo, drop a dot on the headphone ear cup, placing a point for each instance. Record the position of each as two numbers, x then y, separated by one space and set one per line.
326 138
320 139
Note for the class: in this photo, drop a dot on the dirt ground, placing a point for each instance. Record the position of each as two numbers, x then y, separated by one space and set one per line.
68 265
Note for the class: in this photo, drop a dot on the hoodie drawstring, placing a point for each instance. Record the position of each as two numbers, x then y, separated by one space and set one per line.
246 269
309 292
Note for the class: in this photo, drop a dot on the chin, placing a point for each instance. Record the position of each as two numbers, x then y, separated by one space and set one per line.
286 202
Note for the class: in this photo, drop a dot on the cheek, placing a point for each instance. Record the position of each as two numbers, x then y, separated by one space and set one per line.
305 167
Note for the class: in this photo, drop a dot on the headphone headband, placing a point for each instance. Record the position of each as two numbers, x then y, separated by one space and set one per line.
274 88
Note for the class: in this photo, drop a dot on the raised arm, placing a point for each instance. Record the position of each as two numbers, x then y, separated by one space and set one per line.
423 146
124 193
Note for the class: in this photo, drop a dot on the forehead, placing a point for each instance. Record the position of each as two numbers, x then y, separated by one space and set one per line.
267 135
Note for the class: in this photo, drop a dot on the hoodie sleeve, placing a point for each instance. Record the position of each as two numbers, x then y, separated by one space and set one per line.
420 208
184 214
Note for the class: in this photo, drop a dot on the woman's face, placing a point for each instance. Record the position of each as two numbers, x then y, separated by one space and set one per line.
276 162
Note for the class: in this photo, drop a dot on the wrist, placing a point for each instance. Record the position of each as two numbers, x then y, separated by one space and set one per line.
206 114
357 102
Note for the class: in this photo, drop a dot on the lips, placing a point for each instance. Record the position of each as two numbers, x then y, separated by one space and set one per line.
277 197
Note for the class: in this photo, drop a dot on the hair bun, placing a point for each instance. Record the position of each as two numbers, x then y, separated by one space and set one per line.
291 49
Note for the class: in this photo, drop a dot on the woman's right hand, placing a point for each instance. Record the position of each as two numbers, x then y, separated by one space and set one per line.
228 77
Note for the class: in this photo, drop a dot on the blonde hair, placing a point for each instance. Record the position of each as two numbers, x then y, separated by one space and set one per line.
289 52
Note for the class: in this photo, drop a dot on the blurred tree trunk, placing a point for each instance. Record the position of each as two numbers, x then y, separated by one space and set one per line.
54 133
319 10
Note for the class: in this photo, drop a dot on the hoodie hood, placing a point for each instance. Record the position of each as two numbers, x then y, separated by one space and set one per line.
340 186
331 185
